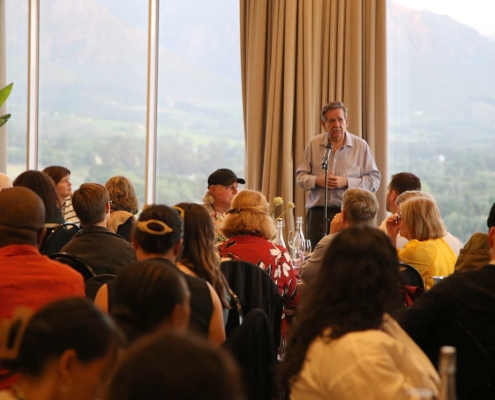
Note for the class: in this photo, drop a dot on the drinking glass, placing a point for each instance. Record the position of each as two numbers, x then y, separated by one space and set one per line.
297 260
306 248
290 239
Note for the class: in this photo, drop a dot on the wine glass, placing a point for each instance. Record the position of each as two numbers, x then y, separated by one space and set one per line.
306 248
297 260
290 239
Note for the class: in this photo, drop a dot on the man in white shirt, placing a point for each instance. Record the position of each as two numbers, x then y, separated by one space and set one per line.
350 165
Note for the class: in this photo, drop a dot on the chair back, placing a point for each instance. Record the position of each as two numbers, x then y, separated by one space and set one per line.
251 346
75 263
93 284
236 314
412 283
57 237
410 276
255 289
433 280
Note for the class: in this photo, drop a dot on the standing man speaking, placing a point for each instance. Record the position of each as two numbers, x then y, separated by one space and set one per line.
350 165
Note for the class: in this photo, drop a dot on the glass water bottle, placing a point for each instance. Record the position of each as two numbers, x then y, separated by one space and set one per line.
447 368
279 238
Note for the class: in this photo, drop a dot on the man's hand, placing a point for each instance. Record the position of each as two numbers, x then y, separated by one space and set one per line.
336 224
334 181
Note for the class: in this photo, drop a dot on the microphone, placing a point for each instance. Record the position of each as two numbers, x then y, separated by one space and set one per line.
326 156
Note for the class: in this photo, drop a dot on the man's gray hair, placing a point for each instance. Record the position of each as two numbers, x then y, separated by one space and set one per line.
360 207
334 105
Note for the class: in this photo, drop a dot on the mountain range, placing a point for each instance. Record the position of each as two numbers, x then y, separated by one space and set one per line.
93 59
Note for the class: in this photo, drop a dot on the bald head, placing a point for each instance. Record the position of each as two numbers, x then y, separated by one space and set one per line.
5 182
22 218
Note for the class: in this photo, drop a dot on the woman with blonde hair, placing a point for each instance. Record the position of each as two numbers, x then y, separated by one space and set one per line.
249 228
419 221
124 206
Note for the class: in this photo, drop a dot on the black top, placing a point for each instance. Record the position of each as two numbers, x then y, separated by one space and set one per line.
459 308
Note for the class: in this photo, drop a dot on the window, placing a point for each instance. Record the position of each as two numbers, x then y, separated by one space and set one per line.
16 26
441 105
92 91
200 126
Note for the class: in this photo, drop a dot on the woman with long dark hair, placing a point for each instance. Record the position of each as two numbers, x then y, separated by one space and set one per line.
345 345
199 256
41 184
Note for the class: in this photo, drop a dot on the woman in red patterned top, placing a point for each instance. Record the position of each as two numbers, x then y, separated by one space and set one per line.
249 228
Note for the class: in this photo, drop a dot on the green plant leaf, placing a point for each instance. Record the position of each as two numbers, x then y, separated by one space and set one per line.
4 93
4 119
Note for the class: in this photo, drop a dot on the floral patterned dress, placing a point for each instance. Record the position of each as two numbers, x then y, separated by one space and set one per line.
275 260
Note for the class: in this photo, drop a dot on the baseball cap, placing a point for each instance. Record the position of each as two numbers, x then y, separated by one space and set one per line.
491 217
224 176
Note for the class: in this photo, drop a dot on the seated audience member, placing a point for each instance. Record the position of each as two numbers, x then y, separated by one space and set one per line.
5 182
104 251
454 243
172 365
26 277
61 177
468 299
400 183
150 295
124 206
344 344
249 228
158 236
199 257
420 222
359 207
66 351
41 184
223 185
475 254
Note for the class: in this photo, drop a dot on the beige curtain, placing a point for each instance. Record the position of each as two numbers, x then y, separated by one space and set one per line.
297 55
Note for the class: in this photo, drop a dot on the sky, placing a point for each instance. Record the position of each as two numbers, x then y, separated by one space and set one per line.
477 14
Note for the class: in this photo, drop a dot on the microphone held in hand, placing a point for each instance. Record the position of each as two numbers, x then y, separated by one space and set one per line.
326 156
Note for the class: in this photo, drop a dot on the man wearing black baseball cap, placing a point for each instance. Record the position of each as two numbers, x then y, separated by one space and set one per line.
223 185
463 299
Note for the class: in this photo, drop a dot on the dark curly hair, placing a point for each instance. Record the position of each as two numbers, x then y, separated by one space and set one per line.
357 284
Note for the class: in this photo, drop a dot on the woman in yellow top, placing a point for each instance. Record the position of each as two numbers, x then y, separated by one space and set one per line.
419 221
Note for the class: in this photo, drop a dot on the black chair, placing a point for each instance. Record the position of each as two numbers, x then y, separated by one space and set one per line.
57 237
255 289
254 352
92 285
475 377
410 276
236 314
75 263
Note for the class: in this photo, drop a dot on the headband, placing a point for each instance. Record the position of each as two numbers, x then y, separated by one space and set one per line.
144 226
